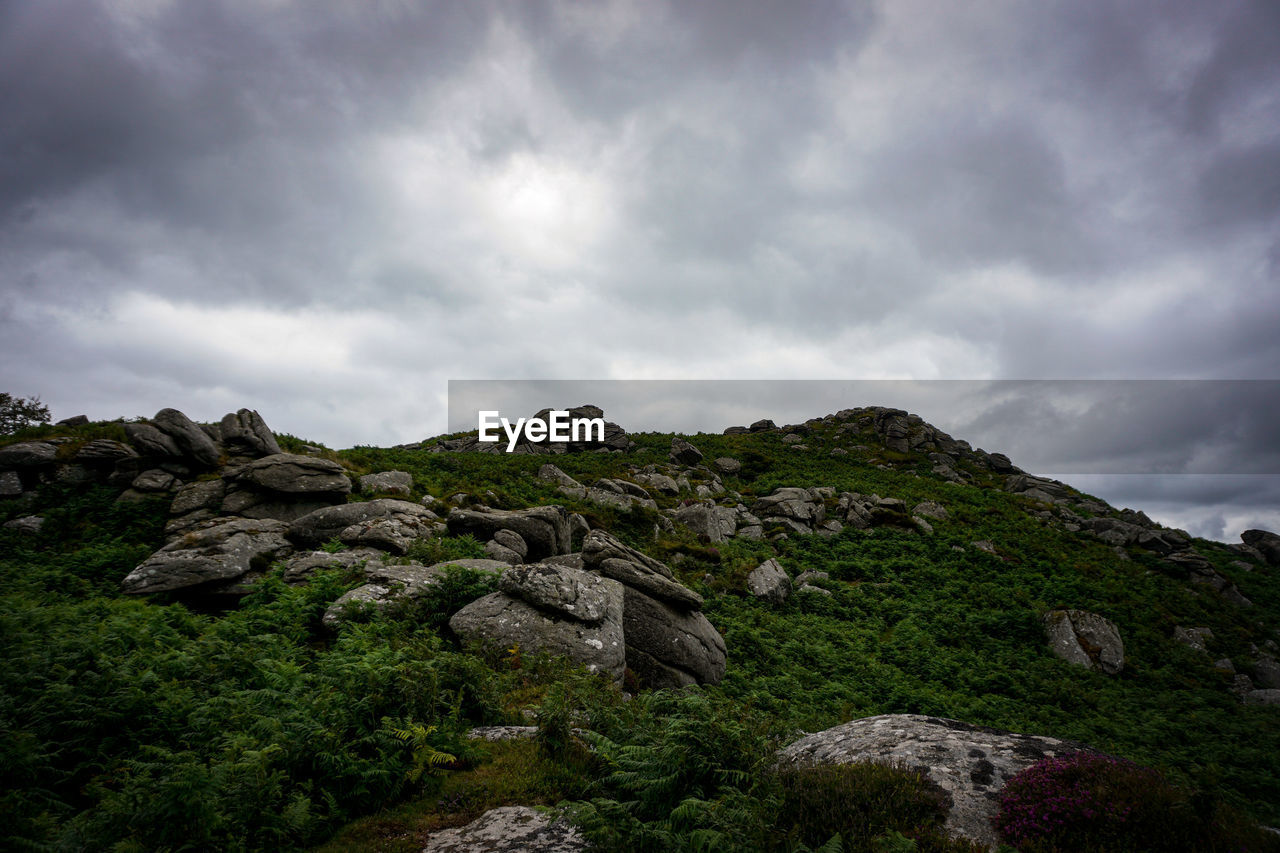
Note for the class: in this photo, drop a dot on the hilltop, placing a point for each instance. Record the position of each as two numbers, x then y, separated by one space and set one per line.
226 637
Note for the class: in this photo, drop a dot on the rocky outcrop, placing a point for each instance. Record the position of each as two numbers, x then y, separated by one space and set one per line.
244 433
1265 542
970 763
769 582
387 483
1085 639
553 609
669 643
709 522
509 829
294 475
544 529
219 550
387 585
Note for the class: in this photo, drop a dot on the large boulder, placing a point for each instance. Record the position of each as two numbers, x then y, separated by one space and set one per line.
602 552
151 442
670 646
714 523
1266 543
387 483
509 829
192 442
28 454
219 550
545 529
294 476
103 452
244 433
970 763
1085 639
684 453
330 522
578 615
769 581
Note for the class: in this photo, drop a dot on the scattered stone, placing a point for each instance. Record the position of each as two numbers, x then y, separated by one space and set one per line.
931 509
1195 638
770 582
984 545
509 829
387 483
727 465
1085 639
970 763
710 522
684 453
553 474
26 524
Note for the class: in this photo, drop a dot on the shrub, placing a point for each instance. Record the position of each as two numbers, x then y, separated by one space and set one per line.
1091 802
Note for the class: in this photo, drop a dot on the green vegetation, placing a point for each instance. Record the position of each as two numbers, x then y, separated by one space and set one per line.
134 724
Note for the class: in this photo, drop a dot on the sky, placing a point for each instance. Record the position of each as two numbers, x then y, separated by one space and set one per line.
327 211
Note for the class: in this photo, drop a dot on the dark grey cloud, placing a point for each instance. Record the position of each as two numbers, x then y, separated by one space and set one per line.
326 210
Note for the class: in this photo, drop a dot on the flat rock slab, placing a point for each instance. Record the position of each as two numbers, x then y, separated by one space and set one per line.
563 591
290 474
544 529
220 550
970 763
319 526
510 829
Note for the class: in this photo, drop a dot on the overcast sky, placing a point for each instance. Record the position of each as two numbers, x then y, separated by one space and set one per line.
324 211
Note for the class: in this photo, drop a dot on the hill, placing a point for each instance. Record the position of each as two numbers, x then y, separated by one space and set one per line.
219 637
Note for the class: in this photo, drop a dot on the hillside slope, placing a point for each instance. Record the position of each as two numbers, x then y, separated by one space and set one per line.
218 699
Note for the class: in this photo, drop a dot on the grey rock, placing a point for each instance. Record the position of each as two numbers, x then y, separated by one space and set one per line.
770 582
545 529
1265 542
26 524
1195 638
684 453
496 551
193 442
762 425
1266 671
931 509
300 567
562 591
73 421
501 733
103 452
970 763
509 829
388 584
149 441
792 438
387 482
552 474
290 474
28 454
1262 697
660 483
219 550
394 532
506 621
1085 639
670 647
984 545
578 528
244 433
714 523
10 484
727 465
154 480
512 540
207 494
332 522
603 553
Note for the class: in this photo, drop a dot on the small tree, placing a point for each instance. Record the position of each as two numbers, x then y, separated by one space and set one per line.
17 413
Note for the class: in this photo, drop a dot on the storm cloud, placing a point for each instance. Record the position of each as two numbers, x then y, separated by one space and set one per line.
324 211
